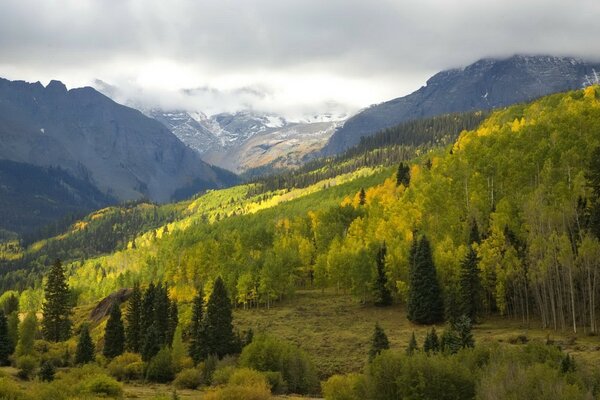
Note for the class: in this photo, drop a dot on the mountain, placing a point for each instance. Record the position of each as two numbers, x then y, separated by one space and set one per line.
487 84
245 139
117 150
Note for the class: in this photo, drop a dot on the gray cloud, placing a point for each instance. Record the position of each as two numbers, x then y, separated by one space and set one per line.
288 55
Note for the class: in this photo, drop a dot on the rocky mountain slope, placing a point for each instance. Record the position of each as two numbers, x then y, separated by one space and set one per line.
123 153
486 84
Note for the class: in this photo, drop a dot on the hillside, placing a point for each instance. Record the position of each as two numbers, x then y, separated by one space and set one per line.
483 85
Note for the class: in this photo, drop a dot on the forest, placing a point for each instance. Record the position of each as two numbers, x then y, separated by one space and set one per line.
500 224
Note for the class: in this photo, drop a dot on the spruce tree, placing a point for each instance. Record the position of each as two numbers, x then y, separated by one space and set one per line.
13 330
114 334
432 342
463 329
56 323
85 347
151 345
403 175
220 339
197 349
47 371
133 318
425 304
412 345
362 197
5 342
11 305
469 285
379 342
474 236
161 314
173 321
383 297
147 314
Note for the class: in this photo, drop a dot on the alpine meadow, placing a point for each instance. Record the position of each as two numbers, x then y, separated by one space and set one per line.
227 219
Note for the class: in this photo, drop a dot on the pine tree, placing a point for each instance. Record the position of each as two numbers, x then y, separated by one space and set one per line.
383 296
56 323
13 330
450 342
173 321
567 364
463 329
5 342
432 343
362 197
412 345
220 339
197 349
151 345
474 236
379 342
470 285
27 331
11 305
403 175
114 334
425 304
85 347
161 314
47 371
147 314
133 317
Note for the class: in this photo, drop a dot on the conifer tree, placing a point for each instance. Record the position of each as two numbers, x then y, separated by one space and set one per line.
56 323
27 331
47 371
463 329
147 314
383 296
432 343
379 342
474 236
412 345
197 349
425 304
173 321
403 175
11 305
450 342
5 342
362 197
85 347
161 314
220 339
151 345
133 318
114 334
13 330
470 285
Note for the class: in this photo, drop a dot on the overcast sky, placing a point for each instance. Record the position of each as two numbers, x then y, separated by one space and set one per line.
284 56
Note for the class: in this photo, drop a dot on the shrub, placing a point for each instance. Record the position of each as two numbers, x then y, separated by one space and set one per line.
27 366
103 385
189 378
221 376
126 367
47 371
276 382
9 390
268 354
248 377
345 387
239 393
50 391
160 368
208 368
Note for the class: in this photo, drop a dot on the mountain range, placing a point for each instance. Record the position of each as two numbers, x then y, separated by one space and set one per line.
486 84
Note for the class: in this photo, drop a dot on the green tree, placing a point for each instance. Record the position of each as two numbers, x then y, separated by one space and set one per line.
160 368
27 331
362 197
133 318
5 342
220 339
56 322
403 175
151 345
11 305
173 321
412 345
383 296
425 304
470 285
463 328
47 371
197 349
161 314
114 333
147 314
13 330
85 347
432 342
379 342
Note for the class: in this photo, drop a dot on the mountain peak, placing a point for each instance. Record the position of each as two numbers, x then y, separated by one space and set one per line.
56 87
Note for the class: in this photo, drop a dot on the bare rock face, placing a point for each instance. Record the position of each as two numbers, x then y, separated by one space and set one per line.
486 84
103 308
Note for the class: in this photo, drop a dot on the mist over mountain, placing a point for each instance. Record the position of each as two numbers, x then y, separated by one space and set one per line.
486 84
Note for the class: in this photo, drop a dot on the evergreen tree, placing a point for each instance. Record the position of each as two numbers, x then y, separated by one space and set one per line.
27 331
450 342
425 304
470 285
220 339
379 342
114 334
151 344
56 323
47 371
197 349
85 347
133 318
161 314
362 197
11 305
383 297
432 343
147 314
13 330
173 321
5 342
412 345
567 364
403 175
463 329
474 236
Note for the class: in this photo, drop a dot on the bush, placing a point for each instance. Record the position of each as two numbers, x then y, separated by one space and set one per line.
239 393
9 390
160 368
248 377
50 391
126 367
47 371
276 382
268 354
189 378
221 376
345 387
103 385
27 366
208 368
